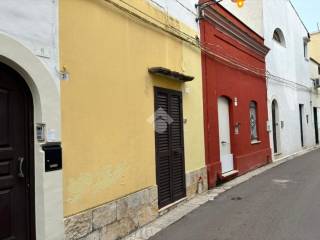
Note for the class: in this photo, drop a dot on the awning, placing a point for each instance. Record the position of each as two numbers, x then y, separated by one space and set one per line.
167 73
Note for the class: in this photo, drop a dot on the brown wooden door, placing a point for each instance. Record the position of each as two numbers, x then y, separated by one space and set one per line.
169 146
16 219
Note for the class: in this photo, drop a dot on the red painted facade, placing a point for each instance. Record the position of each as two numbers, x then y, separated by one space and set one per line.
233 67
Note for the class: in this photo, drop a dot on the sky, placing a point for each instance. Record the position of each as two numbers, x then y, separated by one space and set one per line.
309 11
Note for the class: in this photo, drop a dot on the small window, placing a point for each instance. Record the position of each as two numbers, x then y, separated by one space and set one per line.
319 69
305 49
279 37
253 121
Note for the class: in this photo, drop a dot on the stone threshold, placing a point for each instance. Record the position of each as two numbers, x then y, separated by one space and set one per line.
169 207
184 209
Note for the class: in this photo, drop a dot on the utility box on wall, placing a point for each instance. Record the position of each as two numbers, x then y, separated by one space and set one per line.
53 156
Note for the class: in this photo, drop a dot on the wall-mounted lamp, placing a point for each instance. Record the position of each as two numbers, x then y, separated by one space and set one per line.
240 3
203 5
236 102
237 128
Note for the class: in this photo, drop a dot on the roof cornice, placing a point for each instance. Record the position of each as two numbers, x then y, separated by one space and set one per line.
229 28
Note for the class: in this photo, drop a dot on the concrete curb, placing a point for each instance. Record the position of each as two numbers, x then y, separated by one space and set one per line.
187 207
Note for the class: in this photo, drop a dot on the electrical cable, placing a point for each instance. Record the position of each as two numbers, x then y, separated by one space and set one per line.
287 83
185 37
185 7
194 41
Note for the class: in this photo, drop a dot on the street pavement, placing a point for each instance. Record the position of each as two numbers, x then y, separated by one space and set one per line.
281 204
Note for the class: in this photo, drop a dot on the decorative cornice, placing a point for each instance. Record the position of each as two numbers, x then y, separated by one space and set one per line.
229 28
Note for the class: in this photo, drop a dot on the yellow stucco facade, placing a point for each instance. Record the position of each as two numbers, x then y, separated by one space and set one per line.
108 142
314 46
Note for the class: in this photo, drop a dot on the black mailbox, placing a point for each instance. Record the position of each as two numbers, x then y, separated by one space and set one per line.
53 156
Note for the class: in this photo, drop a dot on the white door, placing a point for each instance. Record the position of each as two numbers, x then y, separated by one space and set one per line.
226 156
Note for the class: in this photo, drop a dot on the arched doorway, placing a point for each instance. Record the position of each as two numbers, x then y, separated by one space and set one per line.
275 127
44 88
226 156
17 212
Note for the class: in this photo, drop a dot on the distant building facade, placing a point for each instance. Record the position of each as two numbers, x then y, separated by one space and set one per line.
314 52
315 78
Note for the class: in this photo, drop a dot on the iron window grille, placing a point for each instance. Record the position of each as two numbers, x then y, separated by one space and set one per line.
253 121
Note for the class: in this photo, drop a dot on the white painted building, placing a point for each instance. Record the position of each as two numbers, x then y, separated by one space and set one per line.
291 119
29 57
315 77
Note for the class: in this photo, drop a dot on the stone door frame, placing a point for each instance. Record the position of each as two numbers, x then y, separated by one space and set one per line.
45 91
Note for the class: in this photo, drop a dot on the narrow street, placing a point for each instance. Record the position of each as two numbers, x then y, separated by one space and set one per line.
280 204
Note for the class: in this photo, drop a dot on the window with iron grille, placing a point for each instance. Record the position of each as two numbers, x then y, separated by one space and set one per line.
253 121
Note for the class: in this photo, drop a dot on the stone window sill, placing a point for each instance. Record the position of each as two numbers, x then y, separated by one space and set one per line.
255 142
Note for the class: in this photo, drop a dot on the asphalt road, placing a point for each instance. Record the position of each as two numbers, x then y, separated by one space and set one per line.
280 204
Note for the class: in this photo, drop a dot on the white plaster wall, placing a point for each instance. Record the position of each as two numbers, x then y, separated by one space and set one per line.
251 13
34 23
288 62
182 10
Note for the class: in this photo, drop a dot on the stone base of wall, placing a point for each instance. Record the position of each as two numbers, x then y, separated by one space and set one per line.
116 219
196 182
119 218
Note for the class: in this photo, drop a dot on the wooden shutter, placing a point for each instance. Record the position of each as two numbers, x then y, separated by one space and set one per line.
163 152
177 150
169 148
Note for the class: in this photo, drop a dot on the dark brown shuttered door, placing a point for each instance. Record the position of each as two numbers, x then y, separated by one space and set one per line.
16 127
169 146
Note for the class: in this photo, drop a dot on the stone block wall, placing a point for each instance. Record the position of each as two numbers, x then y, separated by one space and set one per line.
114 220
196 179
117 219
